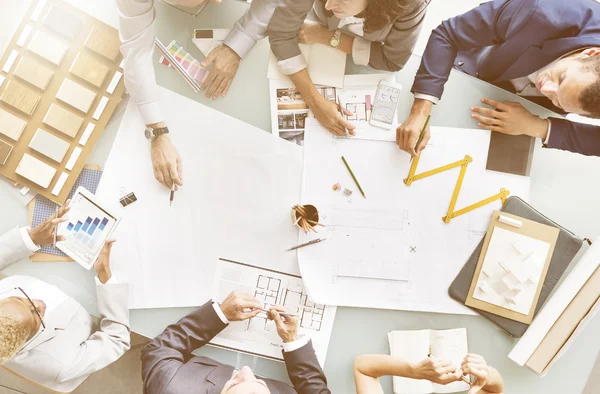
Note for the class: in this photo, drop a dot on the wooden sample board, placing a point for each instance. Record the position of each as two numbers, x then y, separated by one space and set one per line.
503 276
60 80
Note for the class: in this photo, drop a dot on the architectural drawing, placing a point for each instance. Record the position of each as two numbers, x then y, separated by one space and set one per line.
259 335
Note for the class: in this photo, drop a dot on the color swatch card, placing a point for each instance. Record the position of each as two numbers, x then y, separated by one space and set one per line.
60 82
189 63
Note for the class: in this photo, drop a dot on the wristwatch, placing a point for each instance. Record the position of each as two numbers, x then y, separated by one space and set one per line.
335 41
151 133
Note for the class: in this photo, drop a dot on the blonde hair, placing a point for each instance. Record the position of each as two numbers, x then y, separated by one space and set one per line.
13 334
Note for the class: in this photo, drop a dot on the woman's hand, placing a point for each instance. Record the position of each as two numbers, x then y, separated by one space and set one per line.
314 33
328 114
43 234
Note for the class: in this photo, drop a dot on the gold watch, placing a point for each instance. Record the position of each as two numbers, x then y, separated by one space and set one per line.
335 40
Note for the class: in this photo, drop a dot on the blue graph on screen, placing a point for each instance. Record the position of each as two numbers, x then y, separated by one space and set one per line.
89 231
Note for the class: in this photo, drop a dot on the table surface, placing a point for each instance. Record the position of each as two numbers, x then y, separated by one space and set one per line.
560 189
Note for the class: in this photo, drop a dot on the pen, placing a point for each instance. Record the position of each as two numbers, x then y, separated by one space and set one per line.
281 313
353 177
55 227
342 113
314 241
172 195
420 137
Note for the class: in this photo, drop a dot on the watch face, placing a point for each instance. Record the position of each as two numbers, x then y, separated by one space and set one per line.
334 42
148 133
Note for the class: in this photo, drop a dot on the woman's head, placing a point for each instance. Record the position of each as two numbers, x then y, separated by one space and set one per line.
377 13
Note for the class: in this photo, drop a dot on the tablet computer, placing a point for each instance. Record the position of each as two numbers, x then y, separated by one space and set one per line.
89 225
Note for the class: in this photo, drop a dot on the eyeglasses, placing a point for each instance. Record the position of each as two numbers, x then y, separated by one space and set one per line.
31 302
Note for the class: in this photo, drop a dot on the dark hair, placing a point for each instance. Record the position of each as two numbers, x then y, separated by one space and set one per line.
590 97
380 13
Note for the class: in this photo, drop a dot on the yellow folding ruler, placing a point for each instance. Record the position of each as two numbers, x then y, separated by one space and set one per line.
463 169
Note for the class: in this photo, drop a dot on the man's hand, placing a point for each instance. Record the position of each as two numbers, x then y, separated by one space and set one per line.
475 365
225 63
287 326
102 264
166 162
437 371
509 118
240 306
407 134
314 33
43 234
328 114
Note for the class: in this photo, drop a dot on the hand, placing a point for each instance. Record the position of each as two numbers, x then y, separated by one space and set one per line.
314 33
226 63
166 162
287 326
407 134
328 114
509 118
437 371
475 365
240 306
43 234
102 264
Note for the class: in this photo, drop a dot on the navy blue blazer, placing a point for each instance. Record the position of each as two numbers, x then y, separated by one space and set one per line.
505 39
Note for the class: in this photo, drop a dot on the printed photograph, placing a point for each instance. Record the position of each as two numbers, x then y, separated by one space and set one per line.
289 99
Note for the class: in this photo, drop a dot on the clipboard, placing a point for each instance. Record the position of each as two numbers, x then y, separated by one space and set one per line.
529 229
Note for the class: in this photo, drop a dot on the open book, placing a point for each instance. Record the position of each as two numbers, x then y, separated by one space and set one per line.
415 346
326 66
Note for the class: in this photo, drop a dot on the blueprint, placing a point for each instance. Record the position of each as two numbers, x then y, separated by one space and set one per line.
258 336
393 245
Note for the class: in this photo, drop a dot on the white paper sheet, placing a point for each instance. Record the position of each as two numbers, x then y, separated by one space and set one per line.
258 335
239 186
556 304
396 223
326 65
520 269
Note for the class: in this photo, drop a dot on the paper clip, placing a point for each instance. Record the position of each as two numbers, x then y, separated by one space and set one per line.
127 199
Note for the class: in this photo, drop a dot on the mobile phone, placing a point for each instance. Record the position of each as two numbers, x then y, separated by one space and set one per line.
385 107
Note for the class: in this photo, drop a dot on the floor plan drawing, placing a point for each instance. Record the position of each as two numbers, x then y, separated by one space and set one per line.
258 335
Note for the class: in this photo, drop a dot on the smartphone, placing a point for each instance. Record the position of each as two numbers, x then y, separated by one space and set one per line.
385 107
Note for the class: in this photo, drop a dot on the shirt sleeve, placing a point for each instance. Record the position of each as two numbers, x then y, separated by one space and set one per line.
27 239
112 281
295 345
220 313
427 97
251 27
361 51
136 31
545 142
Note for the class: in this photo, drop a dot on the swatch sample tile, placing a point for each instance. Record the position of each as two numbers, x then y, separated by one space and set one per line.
49 145
60 183
20 97
76 95
11 125
5 149
73 159
104 41
86 134
48 47
10 61
63 22
85 67
35 170
24 35
63 120
33 72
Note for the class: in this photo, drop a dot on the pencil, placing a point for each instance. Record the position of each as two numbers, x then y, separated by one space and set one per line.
172 195
353 177
314 241
55 227
281 313
315 223
420 137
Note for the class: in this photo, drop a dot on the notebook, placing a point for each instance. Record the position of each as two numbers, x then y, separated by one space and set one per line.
415 346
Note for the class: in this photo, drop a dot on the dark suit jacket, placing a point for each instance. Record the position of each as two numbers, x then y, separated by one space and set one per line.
506 39
169 367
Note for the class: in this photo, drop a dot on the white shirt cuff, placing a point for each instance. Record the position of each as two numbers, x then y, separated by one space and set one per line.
239 42
151 112
27 240
292 65
545 142
427 97
361 51
111 281
295 345
220 313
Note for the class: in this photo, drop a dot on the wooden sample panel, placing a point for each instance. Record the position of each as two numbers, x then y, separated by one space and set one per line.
34 72
11 125
35 170
48 47
63 22
63 120
5 149
49 145
85 67
104 41
76 95
20 97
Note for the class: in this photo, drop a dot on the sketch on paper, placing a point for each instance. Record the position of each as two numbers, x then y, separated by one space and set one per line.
258 335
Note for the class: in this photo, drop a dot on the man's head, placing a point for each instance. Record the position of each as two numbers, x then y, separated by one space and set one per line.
19 321
573 83
244 382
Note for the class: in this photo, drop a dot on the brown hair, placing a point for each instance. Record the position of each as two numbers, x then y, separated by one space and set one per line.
590 97
380 13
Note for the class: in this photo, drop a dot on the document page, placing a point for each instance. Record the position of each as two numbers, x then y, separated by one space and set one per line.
413 347
450 345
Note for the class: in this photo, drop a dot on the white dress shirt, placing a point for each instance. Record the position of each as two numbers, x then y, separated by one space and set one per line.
287 347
